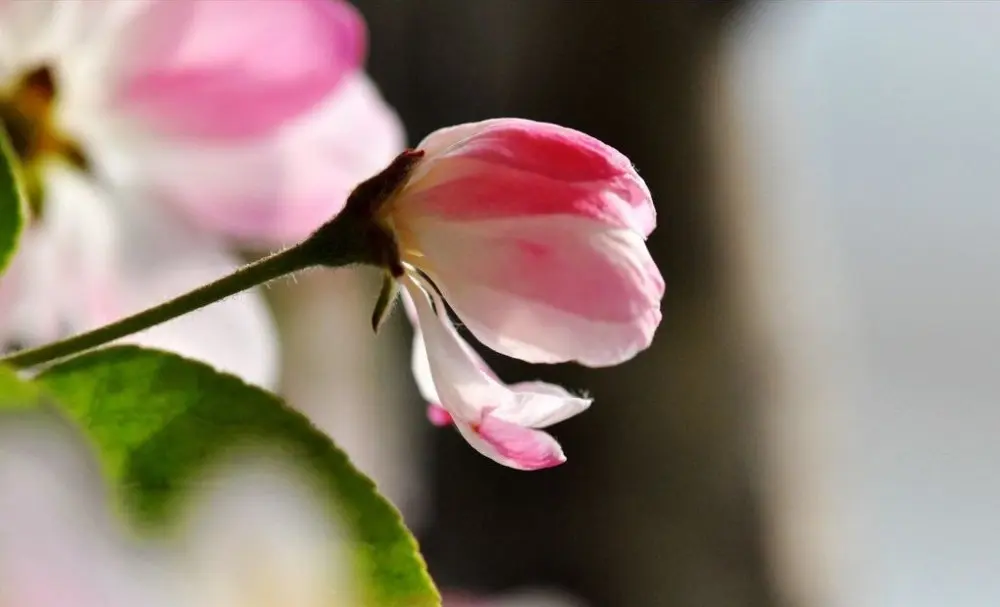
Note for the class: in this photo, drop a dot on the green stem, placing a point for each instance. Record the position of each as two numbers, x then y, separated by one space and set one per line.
262 271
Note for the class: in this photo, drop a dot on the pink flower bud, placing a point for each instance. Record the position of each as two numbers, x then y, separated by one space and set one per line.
534 234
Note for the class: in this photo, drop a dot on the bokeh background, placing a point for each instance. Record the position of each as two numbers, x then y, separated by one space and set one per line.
815 423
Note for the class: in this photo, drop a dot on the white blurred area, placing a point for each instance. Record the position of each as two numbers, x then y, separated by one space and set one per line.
354 385
255 528
867 223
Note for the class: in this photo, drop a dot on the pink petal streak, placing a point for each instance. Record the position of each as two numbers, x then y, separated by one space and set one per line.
219 69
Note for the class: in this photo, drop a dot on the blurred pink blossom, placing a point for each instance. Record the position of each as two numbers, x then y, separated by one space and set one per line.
534 234
159 132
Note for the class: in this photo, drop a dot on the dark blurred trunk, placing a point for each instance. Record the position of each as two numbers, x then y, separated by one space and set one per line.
658 503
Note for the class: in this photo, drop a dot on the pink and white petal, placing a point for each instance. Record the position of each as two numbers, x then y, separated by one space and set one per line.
512 445
461 386
37 31
547 290
258 531
25 32
567 406
420 364
475 400
80 267
222 70
422 369
437 144
77 39
80 216
542 412
410 309
62 278
277 191
537 404
507 168
33 304
59 544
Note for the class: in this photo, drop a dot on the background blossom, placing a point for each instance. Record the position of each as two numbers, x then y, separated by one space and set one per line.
159 135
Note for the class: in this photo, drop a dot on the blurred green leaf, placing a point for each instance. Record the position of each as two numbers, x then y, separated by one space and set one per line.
15 392
157 418
12 204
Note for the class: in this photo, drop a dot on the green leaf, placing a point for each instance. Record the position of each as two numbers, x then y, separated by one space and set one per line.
12 203
157 418
15 393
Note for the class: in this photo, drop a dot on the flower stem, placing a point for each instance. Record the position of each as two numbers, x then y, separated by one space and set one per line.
249 276
334 245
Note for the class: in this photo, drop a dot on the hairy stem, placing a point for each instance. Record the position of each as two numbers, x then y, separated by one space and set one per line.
336 245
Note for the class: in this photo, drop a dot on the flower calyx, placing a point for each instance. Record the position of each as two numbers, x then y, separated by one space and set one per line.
364 226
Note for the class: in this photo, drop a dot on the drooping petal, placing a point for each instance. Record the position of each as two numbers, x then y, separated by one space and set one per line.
258 533
275 192
59 544
528 412
486 412
513 445
513 168
419 362
421 366
217 69
548 289
535 417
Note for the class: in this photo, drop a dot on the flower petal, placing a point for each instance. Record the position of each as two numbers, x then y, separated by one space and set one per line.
534 412
463 388
487 413
80 266
62 278
216 69
438 415
276 192
56 33
59 544
419 362
506 168
259 533
26 32
526 411
513 445
549 289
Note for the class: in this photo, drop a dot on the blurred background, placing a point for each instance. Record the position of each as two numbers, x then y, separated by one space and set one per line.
815 424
